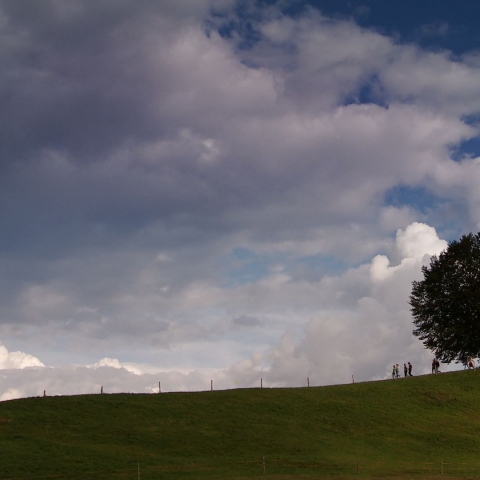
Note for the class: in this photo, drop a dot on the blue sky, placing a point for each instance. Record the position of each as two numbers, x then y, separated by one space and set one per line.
227 190
432 24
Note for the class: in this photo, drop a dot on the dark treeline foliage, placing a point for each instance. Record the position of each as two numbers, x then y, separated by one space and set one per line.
446 303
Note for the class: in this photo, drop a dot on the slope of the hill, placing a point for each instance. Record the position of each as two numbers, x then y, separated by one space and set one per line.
403 427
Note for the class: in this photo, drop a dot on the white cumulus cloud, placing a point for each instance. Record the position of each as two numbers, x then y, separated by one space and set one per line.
17 360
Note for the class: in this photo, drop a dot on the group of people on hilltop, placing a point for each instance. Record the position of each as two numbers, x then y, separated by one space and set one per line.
470 363
407 371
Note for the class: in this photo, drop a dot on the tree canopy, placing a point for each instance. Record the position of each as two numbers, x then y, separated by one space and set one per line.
446 303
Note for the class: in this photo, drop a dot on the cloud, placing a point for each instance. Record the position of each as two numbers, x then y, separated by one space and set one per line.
438 28
414 243
17 360
114 363
246 321
419 239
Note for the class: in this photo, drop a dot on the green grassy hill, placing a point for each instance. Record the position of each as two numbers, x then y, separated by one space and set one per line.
403 428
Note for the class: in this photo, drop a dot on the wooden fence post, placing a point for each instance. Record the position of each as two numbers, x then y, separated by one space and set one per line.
308 382
261 383
44 393
211 385
101 390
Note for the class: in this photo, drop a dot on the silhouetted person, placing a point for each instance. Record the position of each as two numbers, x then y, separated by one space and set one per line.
405 369
410 369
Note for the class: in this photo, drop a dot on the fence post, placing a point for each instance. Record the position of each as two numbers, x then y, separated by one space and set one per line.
44 393
159 388
211 385
261 383
101 390
308 382
263 464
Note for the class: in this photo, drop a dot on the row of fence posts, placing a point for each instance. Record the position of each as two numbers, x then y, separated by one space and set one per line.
358 466
261 384
264 467
264 463
211 386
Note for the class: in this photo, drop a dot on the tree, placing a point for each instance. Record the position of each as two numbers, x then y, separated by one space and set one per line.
446 303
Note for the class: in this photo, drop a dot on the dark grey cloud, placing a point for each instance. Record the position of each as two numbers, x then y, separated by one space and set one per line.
125 118
246 321
85 96
80 78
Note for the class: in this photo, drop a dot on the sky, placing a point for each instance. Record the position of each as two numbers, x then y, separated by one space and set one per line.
227 190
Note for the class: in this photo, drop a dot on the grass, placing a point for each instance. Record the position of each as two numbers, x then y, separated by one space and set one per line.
402 429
